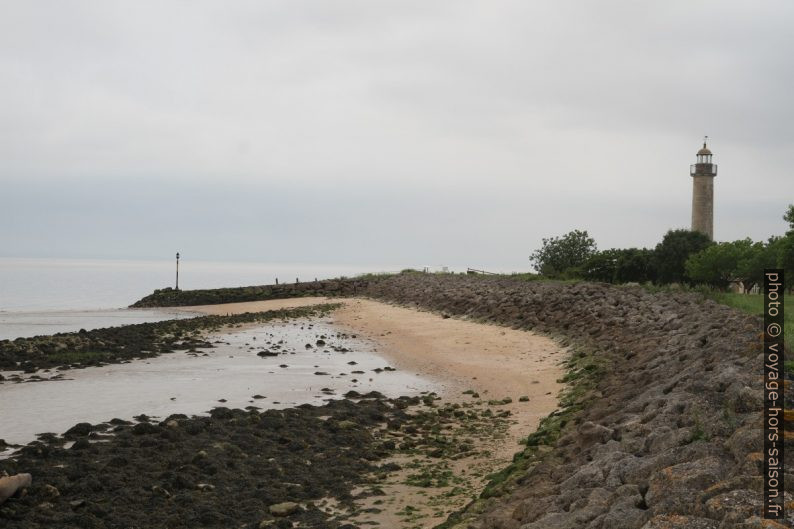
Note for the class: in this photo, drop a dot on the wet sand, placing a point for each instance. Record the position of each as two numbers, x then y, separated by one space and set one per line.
461 356
255 306
492 360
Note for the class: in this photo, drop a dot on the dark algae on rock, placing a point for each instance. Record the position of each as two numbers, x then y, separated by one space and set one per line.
118 344
234 468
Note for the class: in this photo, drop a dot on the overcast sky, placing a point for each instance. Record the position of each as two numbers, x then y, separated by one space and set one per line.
374 132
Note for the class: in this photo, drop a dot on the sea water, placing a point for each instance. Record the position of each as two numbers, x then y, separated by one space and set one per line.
45 296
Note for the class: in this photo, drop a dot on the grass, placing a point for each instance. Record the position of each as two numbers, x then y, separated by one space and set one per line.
754 304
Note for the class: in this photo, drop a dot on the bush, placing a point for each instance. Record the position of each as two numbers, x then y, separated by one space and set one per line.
670 255
560 254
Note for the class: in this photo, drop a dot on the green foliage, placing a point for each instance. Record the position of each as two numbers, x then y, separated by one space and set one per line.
750 268
785 249
671 254
601 266
559 255
635 265
698 433
744 260
620 266
718 264
785 258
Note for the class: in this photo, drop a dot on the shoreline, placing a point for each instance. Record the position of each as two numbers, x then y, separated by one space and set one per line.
634 440
477 365
459 353
242 368
496 384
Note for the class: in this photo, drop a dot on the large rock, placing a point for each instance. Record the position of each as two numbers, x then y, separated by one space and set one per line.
283 509
673 490
10 485
673 521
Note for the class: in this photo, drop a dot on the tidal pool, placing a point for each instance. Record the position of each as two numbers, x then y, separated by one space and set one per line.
194 383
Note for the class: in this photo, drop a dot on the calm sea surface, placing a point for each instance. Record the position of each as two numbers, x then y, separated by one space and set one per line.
45 296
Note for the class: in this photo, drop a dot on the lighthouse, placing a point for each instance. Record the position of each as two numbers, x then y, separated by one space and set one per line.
703 173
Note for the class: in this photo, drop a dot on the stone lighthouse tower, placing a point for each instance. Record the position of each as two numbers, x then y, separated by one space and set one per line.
703 173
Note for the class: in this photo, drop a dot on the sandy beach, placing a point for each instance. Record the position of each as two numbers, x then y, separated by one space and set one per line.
465 358
462 355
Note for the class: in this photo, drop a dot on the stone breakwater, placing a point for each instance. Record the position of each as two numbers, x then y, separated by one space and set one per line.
169 297
661 427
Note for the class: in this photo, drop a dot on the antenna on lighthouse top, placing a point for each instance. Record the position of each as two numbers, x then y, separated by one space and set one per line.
705 140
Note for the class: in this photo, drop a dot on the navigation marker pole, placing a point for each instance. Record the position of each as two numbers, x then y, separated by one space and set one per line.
177 270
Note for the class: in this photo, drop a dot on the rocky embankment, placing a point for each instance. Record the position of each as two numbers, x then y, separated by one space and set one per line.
660 426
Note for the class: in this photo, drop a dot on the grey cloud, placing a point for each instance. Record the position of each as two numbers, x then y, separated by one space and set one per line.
495 123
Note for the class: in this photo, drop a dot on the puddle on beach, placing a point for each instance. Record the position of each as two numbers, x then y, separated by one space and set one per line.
182 382
26 324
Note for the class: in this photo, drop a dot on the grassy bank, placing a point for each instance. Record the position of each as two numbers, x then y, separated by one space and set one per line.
754 304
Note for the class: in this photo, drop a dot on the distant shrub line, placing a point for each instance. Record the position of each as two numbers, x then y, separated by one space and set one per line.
682 257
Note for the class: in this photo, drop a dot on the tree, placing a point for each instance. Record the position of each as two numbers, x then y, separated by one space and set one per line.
635 266
670 255
601 266
750 269
561 254
785 259
785 250
718 264
620 265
